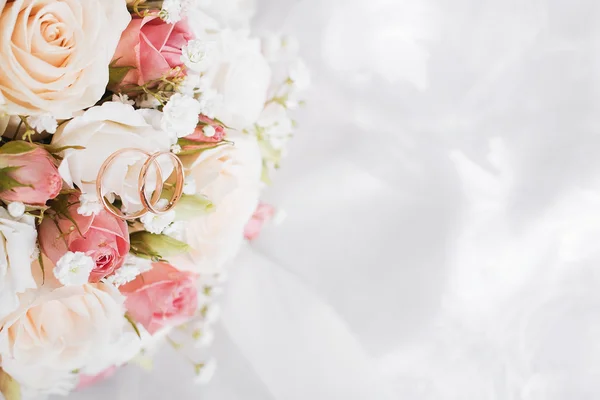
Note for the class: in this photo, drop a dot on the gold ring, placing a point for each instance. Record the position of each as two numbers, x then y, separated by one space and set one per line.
180 180
112 208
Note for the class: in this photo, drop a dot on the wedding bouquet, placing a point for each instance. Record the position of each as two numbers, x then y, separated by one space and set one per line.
136 138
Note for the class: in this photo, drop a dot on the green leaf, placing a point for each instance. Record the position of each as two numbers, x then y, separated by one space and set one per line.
190 147
17 147
41 261
117 74
7 182
10 388
133 325
190 206
221 123
55 150
156 247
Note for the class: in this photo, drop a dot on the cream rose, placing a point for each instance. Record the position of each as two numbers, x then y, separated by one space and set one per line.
230 177
66 329
102 131
56 53
17 248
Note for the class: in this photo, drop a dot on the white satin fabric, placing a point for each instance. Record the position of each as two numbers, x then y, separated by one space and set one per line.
443 201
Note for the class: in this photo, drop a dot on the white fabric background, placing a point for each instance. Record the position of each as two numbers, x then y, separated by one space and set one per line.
443 195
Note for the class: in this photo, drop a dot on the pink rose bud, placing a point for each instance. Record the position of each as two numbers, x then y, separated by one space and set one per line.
152 48
200 134
28 174
86 381
162 296
103 237
263 213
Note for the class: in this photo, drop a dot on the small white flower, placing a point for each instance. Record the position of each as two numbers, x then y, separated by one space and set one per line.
210 102
209 131
122 98
171 11
132 267
174 10
156 224
189 185
205 372
204 83
190 85
180 115
147 101
206 338
16 209
196 55
176 149
89 205
41 123
73 269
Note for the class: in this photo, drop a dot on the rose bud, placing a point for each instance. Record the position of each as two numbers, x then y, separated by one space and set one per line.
263 213
103 237
28 174
163 296
209 131
151 48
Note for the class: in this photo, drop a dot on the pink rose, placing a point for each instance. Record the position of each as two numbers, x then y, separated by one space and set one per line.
263 213
103 237
86 381
162 296
152 47
28 173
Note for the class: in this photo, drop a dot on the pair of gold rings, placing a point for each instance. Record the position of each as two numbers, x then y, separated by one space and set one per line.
149 205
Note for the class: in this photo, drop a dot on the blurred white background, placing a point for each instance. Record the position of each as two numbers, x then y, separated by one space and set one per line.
443 201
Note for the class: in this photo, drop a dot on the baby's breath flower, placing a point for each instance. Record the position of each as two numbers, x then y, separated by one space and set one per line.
122 98
209 131
132 267
43 123
73 269
147 101
176 149
171 11
89 205
196 55
210 101
180 115
155 223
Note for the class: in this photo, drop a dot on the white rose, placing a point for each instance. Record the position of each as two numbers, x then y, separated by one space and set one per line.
64 329
40 382
239 73
17 248
230 177
56 53
102 131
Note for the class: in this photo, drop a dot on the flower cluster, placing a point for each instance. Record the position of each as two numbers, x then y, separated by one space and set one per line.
136 136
